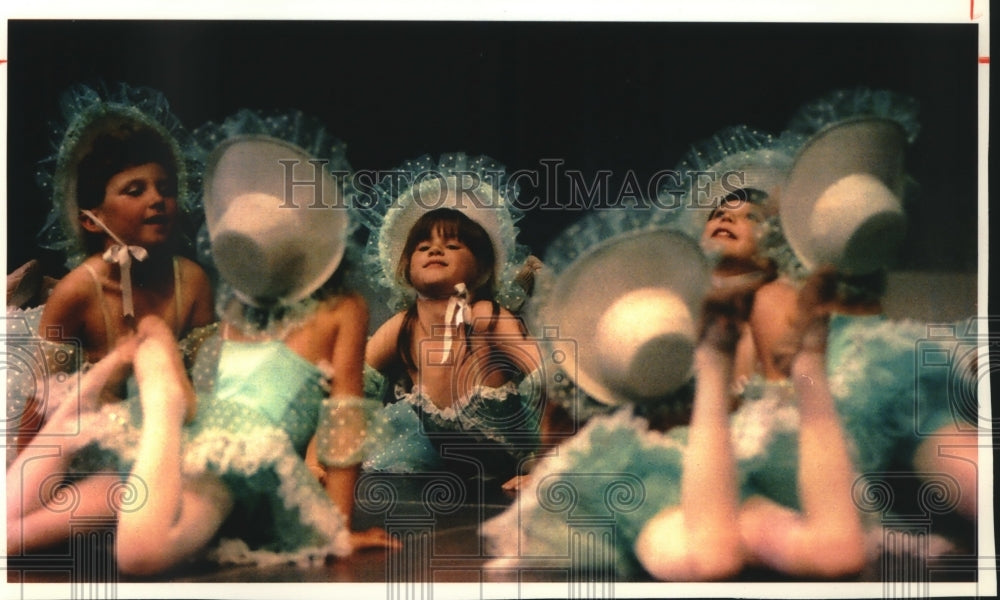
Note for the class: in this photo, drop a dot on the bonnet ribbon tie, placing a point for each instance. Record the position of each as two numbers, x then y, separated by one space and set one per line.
121 254
457 313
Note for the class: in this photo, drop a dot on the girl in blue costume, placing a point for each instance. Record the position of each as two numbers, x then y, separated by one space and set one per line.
298 374
286 367
715 503
455 360
724 196
863 403
121 189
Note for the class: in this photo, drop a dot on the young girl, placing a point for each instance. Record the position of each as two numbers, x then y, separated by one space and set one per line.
789 508
286 366
455 356
729 185
775 487
121 184
119 191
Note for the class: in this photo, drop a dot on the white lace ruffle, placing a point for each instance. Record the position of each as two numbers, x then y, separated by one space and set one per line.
386 206
234 551
251 452
85 111
757 420
479 394
503 533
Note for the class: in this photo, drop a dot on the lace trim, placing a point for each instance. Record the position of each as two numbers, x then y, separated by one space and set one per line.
83 108
343 430
234 551
841 105
260 448
379 211
303 131
478 395
768 407
504 534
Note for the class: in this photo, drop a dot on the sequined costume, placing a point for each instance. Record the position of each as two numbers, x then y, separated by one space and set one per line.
259 405
497 427
887 400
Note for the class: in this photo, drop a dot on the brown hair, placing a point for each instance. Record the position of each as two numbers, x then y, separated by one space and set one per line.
452 224
122 146
449 224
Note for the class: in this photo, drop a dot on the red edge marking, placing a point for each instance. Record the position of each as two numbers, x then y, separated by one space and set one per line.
985 60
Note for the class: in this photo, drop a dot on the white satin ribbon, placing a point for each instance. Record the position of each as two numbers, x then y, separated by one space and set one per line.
121 254
457 313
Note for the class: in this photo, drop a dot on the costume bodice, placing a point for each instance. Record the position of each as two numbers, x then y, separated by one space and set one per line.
273 382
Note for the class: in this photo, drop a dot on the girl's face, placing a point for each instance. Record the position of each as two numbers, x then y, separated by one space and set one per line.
439 263
731 229
140 206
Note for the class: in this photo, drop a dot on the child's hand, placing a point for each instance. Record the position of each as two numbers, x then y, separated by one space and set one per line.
724 311
376 537
525 278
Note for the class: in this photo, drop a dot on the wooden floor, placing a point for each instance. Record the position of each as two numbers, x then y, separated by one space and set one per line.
439 527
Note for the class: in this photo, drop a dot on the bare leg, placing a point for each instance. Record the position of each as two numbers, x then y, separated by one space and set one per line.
826 538
955 453
54 522
91 389
33 476
177 516
699 540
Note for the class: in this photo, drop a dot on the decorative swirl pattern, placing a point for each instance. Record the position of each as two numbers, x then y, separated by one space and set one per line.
59 495
557 495
625 494
872 496
939 493
964 378
375 493
482 365
621 493
18 363
444 494
128 495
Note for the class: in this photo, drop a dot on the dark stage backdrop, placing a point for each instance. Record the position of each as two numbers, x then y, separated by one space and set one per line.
596 96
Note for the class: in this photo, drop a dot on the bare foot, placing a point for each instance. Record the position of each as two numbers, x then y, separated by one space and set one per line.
87 391
163 383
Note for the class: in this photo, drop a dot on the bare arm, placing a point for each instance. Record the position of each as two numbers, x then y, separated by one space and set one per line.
350 419
699 540
825 538
380 352
508 337
64 314
348 352
199 289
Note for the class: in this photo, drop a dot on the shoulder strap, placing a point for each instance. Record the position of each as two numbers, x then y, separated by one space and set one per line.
178 297
99 291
